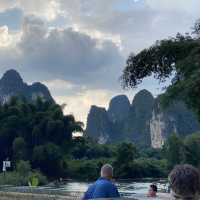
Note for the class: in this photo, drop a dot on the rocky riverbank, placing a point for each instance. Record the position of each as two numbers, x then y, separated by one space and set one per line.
29 196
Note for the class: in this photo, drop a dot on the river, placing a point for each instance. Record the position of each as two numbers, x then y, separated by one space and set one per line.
128 189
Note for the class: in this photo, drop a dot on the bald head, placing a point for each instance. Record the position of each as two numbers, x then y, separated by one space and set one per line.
107 171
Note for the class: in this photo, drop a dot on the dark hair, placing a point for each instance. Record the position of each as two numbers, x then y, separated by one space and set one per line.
154 187
185 180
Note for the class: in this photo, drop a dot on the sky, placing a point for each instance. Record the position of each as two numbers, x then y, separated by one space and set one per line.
79 48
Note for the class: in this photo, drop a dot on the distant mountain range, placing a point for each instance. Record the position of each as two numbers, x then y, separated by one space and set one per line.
143 121
11 84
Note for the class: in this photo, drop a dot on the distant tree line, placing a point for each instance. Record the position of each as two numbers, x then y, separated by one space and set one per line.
37 138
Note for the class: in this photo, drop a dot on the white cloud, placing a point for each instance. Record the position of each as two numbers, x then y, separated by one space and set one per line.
80 103
59 84
8 39
64 54
47 9
7 4
79 99
82 61
95 34
137 23
187 7
132 24
5 38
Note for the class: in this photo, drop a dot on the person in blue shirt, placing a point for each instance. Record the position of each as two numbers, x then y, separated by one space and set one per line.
103 187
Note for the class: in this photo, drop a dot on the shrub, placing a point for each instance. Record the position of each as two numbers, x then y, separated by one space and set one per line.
22 175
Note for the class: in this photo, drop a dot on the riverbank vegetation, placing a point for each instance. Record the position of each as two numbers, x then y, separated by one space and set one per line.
23 175
37 138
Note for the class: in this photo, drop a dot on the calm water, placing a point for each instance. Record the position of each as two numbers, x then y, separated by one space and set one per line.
128 189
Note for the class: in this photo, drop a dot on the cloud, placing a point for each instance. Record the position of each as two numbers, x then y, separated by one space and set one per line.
49 53
79 68
78 48
47 9
187 7
11 18
6 4
80 98
5 38
60 87
79 104
137 23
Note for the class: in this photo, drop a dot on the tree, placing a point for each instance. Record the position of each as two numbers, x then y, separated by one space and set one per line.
196 28
37 132
72 125
36 136
192 149
19 149
48 159
174 150
80 148
126 152
23 167
179 56
125 155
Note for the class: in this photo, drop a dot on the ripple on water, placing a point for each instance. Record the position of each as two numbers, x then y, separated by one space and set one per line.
131 189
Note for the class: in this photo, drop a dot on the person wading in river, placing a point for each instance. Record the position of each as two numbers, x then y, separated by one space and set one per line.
152 191
103 187
184 181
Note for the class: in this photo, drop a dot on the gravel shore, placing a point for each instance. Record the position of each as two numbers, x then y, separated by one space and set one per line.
28 196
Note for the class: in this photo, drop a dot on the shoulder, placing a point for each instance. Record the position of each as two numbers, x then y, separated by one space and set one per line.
88 194
105 189
105 184
91 187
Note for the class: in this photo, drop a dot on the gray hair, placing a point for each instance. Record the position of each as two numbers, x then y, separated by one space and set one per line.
107 171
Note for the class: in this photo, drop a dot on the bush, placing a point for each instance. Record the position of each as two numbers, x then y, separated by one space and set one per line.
16 179
41 178
86 169
48 159
12 178
150 168
22 175
142 168
23 168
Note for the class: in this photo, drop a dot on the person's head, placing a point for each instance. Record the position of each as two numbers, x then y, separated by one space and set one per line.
107 171
152 190
184 181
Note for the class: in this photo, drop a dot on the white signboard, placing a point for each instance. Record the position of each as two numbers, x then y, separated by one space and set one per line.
6 164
